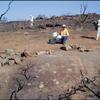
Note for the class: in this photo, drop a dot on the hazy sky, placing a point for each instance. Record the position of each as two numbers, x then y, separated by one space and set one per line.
21 10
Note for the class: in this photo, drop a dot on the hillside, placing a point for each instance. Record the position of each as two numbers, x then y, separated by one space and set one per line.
72 21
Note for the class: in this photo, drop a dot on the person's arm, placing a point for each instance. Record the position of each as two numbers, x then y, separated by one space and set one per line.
67 32
59 32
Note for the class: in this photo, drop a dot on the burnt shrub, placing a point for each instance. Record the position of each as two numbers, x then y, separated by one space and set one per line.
49 25
41 26
56 25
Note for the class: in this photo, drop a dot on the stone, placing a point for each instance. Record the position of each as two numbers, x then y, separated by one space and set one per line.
69 69
40 52
5 62
87 50
3 56
55 81
10 57
26 33
63 48
54 72
81 50
68 47
29 84
50 52
41 85
11 62
84 50
75 46
24 54
9 52
18 54
44 52
17 60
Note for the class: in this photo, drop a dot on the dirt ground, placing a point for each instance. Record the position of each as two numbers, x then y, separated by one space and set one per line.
37 40
53 74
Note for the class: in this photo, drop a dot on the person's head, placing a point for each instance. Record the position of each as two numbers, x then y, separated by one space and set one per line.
63 26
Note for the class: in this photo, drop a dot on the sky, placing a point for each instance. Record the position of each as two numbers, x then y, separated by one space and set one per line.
21 10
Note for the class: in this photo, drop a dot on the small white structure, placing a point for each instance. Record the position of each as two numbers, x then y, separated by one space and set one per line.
31 21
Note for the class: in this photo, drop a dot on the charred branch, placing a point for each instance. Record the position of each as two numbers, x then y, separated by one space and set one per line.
5 12
82 86
83 15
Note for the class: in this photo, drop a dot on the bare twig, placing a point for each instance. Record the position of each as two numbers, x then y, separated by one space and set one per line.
12 94
83 84
5 12
20 83
16 90
92 91
85 81
83 15
25 71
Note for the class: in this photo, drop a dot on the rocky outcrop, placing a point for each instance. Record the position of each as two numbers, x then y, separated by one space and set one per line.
72 21
10 57
75 47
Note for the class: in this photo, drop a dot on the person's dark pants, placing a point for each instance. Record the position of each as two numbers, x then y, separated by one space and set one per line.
64 40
